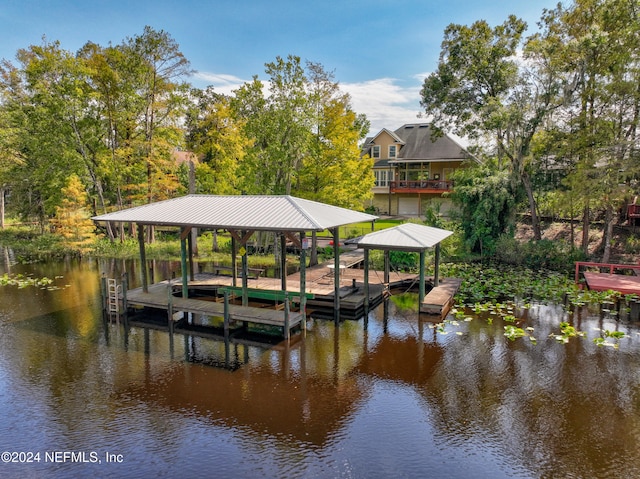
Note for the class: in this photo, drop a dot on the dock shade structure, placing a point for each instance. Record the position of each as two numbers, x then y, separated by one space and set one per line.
409 237
241 216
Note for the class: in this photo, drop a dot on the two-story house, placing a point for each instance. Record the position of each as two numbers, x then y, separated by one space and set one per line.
411 170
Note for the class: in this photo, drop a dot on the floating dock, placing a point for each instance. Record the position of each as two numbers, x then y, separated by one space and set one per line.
439 300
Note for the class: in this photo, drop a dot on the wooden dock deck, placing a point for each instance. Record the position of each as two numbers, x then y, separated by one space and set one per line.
617 282
158 297
440 299
598 280
320 291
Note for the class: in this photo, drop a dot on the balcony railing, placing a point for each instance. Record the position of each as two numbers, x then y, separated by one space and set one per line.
420 186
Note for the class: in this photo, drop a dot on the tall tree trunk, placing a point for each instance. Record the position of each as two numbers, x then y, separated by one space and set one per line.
585 229
313 258
1 207
535 221
607 235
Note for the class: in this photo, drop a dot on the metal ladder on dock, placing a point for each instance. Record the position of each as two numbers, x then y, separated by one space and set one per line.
113 296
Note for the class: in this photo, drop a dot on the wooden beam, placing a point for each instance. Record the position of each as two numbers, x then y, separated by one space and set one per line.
185 232
294 239
241 238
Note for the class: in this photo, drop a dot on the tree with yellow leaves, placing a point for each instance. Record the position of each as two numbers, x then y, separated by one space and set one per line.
72 220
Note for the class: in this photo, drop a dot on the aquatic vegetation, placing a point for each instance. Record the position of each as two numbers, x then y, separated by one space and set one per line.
492 293
22 281
512 332
614 335
499 284
567 331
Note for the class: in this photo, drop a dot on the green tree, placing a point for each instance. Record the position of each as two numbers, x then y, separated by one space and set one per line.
160 66
597 46
332 170
481 89
305 136
487 202
218 138
279 125
40 101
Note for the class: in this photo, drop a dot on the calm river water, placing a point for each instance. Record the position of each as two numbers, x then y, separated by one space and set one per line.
390 398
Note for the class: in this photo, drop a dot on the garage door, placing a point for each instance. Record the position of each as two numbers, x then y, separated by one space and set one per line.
408 206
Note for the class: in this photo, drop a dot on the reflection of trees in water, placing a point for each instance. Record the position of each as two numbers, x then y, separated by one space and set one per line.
556 409
559 409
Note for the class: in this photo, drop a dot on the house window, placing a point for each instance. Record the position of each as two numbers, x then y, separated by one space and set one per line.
392 151
381 177
375 151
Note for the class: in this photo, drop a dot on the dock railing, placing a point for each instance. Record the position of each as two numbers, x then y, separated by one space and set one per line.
612 267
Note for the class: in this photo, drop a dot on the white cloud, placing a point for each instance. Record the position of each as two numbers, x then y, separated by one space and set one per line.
221 82
386 103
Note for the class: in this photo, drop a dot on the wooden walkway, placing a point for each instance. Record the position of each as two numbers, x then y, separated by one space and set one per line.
439 300
158 297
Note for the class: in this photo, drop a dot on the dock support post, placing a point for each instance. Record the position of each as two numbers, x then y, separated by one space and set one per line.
421 286
183 263
143 258
303 279
245 280
387 267
226 315
336 273
234 262
283 262
366 282
436 272
286 316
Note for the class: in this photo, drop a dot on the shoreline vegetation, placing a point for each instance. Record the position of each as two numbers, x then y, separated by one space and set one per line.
523 270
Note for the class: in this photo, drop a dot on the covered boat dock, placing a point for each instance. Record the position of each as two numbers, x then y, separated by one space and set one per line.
288 217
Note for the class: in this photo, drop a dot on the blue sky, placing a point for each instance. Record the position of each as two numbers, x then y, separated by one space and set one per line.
379 50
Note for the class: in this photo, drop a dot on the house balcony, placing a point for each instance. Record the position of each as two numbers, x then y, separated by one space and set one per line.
421 186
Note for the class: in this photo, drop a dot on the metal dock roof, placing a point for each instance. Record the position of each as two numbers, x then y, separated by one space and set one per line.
267 213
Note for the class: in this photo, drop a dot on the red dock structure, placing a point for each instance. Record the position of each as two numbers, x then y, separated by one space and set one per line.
610 280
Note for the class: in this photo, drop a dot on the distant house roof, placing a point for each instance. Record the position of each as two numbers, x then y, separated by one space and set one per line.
397 139
404 237
265 213
418 144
